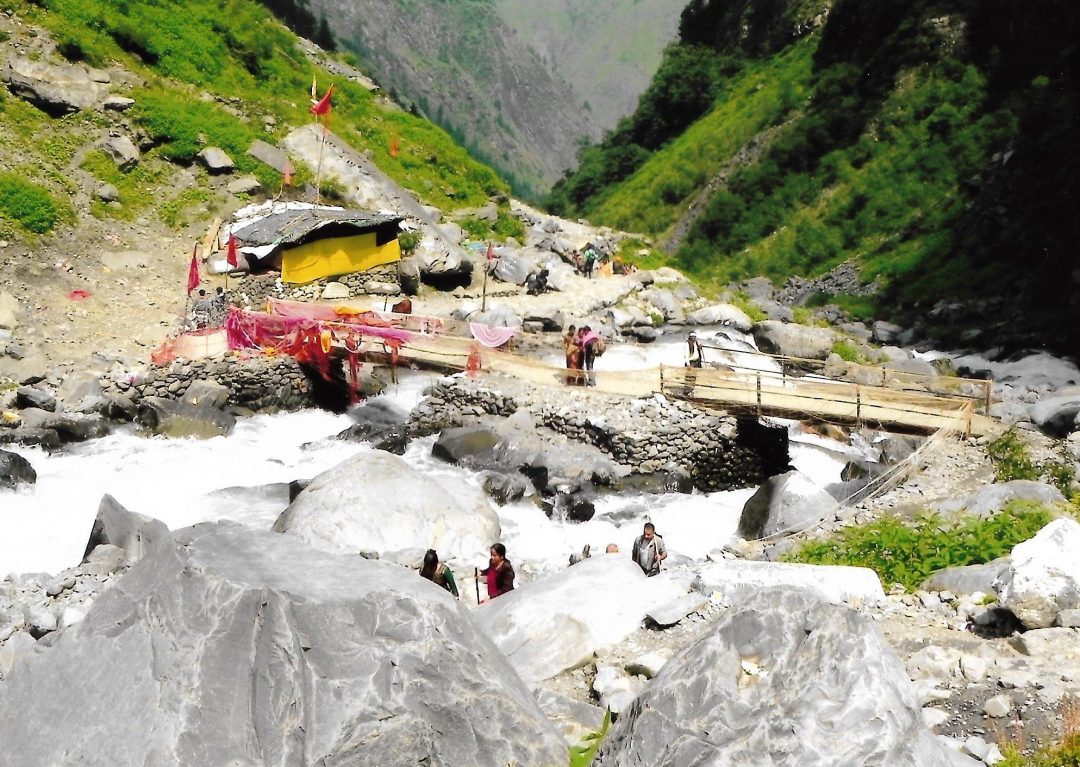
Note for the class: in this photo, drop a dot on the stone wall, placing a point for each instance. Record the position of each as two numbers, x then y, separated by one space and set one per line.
253 289
256 383
649 435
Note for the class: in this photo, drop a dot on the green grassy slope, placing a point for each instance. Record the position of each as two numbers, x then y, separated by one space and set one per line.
933 142
213 71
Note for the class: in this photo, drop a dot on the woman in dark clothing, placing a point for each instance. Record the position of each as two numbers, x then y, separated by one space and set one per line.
438 573
499 572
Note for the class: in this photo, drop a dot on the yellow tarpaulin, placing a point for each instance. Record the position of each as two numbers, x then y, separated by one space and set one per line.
336 255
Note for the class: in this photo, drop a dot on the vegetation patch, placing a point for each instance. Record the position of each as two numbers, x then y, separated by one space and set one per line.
1012 461
505 225
1063 754
849 352
28 205
908 554
582 755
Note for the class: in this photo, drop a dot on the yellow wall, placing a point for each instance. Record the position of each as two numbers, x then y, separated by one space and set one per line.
336 255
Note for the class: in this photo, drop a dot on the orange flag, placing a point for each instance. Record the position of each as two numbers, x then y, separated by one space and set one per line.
393 146
230 258
193 279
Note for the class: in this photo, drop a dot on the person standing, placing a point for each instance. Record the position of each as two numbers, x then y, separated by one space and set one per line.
649 550
693 363
499 572
438 573
573 356
587 341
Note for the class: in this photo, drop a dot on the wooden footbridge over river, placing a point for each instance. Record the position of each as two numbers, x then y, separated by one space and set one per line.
753 383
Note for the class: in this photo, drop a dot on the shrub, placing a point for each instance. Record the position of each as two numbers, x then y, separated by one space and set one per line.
1012 461
409 242
848 352
28 205
909 553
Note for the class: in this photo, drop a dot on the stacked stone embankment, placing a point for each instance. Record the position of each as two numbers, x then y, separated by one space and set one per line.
649 435
253 290
257 383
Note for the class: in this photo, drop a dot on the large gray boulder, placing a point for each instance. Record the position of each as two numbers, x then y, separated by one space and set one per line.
559 622
968 579
734 580
269 155
1043 576
70 427
56 89
15 470
443 270
136 534
378 502
722 314
381 423
1057 414
783 679
122 151
513 266
785 504
239 647
793 340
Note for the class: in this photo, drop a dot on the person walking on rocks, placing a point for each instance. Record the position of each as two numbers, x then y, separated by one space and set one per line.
499 572
438 573
649 550
573 356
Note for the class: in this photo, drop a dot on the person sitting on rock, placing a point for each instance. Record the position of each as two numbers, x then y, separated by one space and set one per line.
649 550
499 572
438 573
585 554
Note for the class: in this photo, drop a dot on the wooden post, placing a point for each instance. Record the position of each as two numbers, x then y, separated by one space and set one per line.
884 378
759 393
858 406
988 388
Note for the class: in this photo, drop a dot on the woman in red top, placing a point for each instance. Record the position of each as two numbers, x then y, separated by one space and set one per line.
499 572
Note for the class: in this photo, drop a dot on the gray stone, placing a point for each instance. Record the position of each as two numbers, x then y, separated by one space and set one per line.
244 185
380 422
575 720
118 103
239 647
721 314
71 427
1069 618
727 699
59 585
108 193
1043 577
990 499
976 747
122 151
104 559
216 160
514 267
998 706
173 418
886 332
408 272
15 470
734 580
269 155
135 534
78 386
647 665
56 89
41 620
1057 413
794 340
9 311
18 646
673 612
1058 644
35 397
969 579
785 504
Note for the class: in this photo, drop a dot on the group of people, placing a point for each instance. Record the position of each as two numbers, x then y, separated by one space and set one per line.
499 574
208 311
582 348
648 552
591 261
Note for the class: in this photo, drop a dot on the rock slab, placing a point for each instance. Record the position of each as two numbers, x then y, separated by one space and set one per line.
239 647
731 697
1043 577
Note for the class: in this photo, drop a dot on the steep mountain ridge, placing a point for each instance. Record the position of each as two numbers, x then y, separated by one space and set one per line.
932 143
607 50
462 67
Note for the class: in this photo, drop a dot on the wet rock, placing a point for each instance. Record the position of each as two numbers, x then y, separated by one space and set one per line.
15 470
35 397
172 418
46 439
505 488
378 502
728 698
381 423
388 671
785 504
71 427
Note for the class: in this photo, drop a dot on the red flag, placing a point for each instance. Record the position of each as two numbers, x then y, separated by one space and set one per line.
287 174
322 106
393 146
231 256
193 272
491 252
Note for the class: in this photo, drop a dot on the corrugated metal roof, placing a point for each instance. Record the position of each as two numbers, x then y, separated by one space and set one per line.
294 227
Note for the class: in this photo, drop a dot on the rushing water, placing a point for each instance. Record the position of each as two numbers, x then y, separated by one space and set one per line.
243 477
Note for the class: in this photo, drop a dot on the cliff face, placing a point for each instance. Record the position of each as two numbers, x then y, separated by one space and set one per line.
461 66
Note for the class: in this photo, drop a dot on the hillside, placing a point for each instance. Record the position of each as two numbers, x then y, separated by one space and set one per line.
931 143
179 76
462 67
608 50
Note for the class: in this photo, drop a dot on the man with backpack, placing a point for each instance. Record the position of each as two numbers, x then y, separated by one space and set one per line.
649 550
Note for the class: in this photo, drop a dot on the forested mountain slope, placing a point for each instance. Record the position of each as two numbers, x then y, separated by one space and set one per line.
933 142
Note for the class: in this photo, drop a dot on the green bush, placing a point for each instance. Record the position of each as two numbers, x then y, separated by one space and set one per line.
1064 754
409 242
583 754
848 352
29 205
909 553
1012 461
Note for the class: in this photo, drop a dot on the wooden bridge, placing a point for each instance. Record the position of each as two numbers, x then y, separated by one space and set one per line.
882 398
750 382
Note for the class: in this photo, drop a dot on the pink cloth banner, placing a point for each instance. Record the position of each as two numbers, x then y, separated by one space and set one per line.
491 337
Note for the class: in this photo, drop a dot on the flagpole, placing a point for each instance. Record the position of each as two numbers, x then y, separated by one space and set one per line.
487 264
318 170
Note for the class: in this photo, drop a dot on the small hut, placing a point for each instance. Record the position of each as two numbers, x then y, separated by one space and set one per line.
313 243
